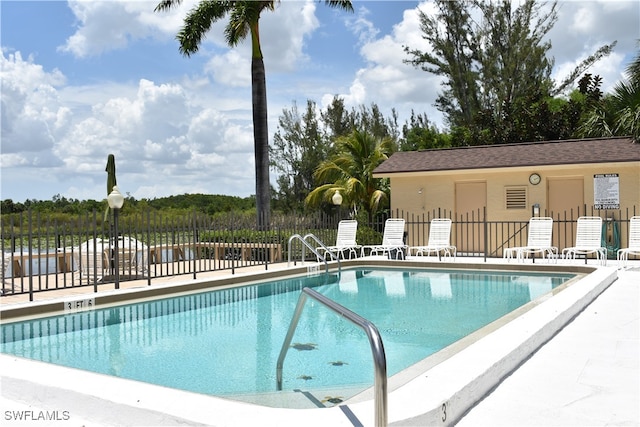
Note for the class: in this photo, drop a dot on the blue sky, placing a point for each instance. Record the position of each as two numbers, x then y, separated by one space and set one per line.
81 80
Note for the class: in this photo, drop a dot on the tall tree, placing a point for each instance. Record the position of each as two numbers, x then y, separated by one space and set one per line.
336 119
492 63
454 45
350 172
419 134
304 139
244 16
298 147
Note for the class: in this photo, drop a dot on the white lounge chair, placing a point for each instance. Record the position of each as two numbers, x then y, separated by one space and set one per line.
588 240
133 256
92 259
538 241
634 242
345 240
7 259
439 240
392 240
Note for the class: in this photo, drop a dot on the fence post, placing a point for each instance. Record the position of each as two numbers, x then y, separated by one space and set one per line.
486 232
233 241
195 253
30 240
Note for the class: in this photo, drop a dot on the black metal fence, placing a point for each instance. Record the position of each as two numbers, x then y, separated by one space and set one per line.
475 235
41 254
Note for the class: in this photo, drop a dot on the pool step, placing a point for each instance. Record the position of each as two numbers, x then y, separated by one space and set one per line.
301 399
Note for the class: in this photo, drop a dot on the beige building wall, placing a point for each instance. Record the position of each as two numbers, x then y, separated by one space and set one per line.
422 196
423 192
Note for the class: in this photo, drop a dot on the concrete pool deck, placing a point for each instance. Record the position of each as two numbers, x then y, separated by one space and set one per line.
587 374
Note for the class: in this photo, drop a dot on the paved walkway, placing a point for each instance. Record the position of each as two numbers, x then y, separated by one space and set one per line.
587 375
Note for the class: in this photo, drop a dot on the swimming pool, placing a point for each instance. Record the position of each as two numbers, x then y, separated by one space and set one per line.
226 342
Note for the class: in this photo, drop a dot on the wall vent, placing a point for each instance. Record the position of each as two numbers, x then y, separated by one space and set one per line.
516 197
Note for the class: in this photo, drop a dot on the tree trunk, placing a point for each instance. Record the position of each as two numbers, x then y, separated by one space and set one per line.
261 143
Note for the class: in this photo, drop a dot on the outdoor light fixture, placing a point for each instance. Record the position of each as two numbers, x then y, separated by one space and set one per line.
116 200
337 198
337 201
536 209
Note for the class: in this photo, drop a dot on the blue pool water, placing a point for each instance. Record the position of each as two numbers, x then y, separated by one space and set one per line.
227 342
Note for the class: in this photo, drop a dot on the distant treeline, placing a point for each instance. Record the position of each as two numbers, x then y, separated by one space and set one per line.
205 203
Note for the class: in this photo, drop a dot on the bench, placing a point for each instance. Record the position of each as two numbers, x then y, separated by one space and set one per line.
216 250
64 263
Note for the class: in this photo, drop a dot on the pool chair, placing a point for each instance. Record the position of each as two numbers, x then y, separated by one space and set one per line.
345 240
588 240
392 244
439 242
92 260
538 241
7 259
634 242
133 256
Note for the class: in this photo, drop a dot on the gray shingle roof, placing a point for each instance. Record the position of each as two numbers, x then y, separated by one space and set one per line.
575 151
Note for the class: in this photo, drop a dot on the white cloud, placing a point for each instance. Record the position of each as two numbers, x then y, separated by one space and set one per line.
232 68
283 34
157 133
585 26
109 25
362 27
386 79
32 114
103 26
583 20
13 160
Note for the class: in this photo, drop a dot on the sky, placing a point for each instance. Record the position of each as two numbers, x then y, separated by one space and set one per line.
82 80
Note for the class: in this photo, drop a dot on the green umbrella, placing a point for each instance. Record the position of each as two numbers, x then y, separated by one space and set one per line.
111 178
111 173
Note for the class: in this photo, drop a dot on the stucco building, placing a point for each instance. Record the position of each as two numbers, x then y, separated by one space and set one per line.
510 182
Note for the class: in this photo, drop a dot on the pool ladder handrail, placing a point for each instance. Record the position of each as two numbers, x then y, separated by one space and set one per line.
306 244
375 340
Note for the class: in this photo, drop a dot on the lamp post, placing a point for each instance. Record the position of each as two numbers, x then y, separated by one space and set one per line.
116 200
337 201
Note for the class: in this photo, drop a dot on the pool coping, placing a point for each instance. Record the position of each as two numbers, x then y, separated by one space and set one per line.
104 298
441 395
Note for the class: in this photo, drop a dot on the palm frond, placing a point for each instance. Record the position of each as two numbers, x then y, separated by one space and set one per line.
166 5
340 4
198 22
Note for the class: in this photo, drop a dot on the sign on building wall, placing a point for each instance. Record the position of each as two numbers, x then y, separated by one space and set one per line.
606 191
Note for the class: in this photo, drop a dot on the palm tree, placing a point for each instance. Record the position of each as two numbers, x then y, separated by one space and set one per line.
618 113
243 20
625 99
350 172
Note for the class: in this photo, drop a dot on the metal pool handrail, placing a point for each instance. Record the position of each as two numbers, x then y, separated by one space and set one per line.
304 242
375 340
